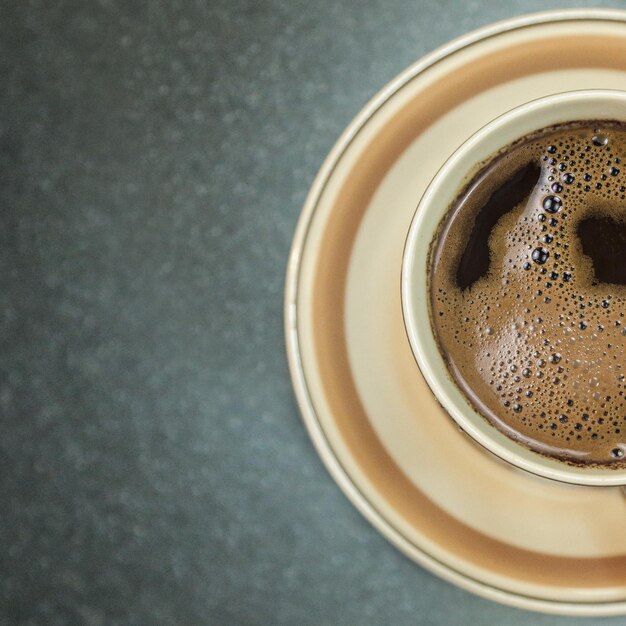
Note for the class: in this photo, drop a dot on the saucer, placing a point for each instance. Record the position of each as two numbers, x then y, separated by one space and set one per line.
446 503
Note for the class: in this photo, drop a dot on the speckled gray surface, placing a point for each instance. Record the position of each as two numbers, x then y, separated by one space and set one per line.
154 159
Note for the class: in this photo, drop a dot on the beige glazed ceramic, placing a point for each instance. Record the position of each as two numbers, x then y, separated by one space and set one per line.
452 507
434 204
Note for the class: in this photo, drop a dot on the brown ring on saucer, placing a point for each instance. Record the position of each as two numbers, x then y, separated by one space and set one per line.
558 53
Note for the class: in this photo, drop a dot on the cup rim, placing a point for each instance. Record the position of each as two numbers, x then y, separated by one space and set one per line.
460 167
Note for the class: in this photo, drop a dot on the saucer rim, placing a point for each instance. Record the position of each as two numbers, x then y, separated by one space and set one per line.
298 377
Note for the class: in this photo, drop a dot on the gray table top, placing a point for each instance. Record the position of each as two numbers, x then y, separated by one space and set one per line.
155 157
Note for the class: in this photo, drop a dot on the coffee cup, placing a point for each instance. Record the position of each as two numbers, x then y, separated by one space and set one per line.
435 203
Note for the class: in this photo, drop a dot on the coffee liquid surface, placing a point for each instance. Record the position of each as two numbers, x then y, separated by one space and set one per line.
528 292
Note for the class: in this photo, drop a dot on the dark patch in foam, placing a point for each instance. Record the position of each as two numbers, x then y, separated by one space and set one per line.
474 262
603 240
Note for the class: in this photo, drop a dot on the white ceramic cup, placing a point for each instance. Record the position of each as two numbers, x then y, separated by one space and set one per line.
442 191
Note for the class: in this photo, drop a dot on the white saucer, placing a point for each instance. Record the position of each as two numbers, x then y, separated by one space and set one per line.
450 506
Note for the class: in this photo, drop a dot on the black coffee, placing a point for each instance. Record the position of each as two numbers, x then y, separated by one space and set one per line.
528 292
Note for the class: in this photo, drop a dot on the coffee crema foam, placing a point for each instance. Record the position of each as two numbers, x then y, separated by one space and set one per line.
528 292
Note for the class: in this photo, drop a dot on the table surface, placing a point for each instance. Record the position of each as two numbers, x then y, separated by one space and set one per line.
154 159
